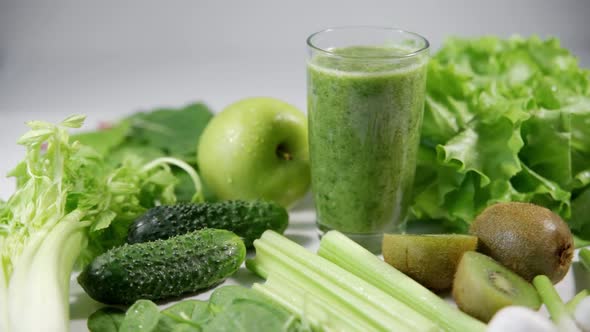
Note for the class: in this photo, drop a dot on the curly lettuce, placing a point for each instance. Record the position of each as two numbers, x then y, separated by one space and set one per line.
504 120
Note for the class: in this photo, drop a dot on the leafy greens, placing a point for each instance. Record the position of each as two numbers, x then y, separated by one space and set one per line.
70 205
230 308
164 132
504 120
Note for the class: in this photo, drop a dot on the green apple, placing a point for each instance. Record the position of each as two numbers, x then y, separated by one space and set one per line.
256 148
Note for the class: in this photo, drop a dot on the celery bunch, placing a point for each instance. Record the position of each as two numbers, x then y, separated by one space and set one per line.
345 287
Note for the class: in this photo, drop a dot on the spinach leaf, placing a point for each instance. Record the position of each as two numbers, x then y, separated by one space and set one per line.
142 316
186 316
175 132
224 296
236 308
250 315
107 319
230 308
104 140
149 135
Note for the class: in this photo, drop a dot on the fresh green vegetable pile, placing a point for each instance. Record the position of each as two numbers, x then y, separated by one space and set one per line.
165 132
229 309
505 120
76 198
69 205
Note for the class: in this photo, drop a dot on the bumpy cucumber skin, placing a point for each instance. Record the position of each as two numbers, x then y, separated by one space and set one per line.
248 219
163 269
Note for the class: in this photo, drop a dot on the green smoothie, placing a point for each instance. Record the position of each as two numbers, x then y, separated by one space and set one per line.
365 110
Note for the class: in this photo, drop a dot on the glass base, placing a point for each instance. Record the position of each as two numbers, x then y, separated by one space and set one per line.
370 241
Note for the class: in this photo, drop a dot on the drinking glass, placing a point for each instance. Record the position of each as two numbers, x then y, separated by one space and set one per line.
366 89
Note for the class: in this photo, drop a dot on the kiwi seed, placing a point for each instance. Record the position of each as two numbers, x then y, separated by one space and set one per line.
500 282
482 287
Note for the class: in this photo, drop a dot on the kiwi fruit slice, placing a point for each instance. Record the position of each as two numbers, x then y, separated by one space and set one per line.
528 239
482 287
429 259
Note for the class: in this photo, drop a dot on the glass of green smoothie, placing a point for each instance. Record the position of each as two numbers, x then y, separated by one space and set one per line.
366 89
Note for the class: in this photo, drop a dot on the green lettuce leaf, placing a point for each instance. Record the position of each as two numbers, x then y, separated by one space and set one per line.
504 120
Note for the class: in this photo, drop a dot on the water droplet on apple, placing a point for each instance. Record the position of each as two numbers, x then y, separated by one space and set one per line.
230 180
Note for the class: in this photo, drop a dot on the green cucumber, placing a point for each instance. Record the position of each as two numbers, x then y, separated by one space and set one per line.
248 219
163 269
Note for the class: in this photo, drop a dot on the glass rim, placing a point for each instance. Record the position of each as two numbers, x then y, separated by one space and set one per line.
425 46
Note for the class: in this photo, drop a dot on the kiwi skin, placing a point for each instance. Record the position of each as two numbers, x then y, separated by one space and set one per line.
528 239
483 286
430 259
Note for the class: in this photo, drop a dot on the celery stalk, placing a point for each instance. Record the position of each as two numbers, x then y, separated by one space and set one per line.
309 283
347 254
332 317
585 258
554 304
580 243
319 313
550 298
311 273
276 254
573 303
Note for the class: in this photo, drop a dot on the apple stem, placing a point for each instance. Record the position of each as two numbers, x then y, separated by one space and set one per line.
282 153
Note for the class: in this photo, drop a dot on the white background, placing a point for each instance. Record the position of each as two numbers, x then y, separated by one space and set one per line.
110 58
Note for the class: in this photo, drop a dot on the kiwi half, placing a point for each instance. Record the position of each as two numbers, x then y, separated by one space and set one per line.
482 287
529 239
429 259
